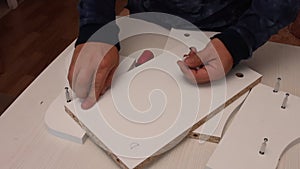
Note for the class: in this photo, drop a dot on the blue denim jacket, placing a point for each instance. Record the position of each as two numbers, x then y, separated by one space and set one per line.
245 25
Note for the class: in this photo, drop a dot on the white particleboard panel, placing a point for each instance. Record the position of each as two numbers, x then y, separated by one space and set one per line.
104 113
56 120
261 116
117 132
111 126
179 41
214 128
130 27
274 60
61 124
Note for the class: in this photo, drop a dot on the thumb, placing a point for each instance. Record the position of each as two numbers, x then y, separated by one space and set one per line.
193 60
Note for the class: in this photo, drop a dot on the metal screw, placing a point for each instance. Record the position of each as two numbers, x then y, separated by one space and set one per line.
68 97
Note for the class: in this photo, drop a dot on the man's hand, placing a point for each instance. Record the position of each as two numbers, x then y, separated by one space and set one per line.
212 63
91 71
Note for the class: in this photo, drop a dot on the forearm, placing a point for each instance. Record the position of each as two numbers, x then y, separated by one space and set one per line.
256 25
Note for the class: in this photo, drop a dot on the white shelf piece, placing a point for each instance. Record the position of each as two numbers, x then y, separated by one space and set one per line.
112 130
152 107
61 124
214 129
179 43
260 125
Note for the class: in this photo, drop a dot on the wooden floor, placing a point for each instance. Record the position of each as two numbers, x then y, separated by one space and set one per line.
30 38
3 8
34 34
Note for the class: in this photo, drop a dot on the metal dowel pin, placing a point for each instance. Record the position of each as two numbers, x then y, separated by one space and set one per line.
277 85
68 97
262 149
284 103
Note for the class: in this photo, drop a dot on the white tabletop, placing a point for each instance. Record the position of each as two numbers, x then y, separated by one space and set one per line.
26 143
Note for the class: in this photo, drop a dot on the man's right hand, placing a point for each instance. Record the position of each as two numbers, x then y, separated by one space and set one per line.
91 71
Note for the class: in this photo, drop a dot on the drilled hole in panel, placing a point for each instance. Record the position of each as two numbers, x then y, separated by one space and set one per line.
239 75
186 34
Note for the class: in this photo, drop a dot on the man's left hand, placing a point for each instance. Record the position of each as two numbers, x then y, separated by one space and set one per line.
211 63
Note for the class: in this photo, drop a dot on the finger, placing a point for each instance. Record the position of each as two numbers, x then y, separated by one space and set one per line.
97 86
89 101
72 72
108 80
193 50
110 77
193 60
95 89
83 82
103 90
109 61
209 72
195 76
202 75
188 73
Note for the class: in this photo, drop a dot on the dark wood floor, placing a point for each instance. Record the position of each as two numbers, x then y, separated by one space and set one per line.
31 37
34 34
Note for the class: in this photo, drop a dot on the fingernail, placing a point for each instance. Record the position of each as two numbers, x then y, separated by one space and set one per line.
86 104
179 63
193 49
183 65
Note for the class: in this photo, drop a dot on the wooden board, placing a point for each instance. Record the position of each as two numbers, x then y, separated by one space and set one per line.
100 118
132 130
261 116
61 124
56 120
278 60
179 41
130 27
214 129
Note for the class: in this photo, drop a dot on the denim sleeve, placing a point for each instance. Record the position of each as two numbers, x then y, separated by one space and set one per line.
263 19
94 14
